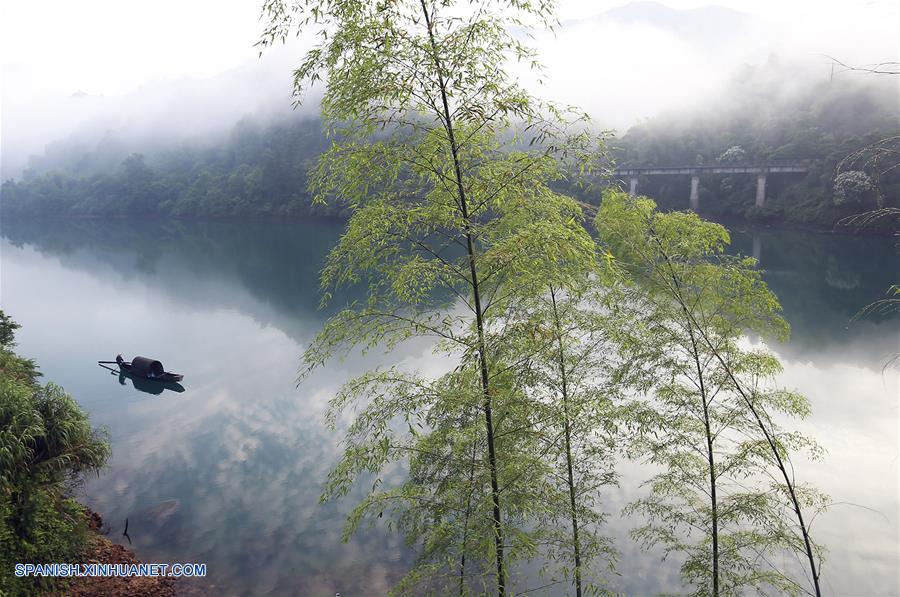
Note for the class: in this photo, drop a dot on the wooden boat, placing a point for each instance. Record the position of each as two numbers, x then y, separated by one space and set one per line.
144 368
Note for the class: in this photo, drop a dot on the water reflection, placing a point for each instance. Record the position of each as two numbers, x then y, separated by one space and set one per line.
273 266
140 384
823 282
242 452
149 386
230 472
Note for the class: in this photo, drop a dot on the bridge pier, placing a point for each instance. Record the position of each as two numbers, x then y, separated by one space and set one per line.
695 191
760 189
762 172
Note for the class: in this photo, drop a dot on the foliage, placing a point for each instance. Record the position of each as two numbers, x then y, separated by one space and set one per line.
8 329
569 356
880 161
851 186
733 155
724 497
449 169
447 166
46 445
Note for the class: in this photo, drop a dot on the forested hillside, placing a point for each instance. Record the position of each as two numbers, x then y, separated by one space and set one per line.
768 117
256 170
769 113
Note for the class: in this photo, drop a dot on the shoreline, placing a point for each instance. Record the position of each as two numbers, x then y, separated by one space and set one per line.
103 551
729 221
732 223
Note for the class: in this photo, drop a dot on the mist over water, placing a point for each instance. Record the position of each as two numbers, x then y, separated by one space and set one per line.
229 471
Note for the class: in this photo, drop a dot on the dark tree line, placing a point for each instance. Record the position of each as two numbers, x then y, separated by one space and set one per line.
257 170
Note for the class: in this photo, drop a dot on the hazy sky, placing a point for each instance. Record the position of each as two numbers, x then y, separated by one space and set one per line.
138 55
52 47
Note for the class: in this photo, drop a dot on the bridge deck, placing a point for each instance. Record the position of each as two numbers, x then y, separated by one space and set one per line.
750 169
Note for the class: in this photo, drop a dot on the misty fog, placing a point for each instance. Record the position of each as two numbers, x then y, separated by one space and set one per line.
622 64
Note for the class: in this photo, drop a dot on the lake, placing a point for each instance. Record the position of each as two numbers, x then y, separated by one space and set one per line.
229 471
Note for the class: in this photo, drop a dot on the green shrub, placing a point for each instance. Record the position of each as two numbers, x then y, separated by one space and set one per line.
46 445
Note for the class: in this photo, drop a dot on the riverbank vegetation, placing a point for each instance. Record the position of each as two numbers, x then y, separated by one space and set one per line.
566 351
47 445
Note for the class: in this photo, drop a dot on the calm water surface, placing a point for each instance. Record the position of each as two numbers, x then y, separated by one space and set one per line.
228 472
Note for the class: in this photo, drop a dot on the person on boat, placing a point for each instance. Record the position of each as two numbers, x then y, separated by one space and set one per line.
119 360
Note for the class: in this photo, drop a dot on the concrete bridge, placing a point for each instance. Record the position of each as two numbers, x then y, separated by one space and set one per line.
761 171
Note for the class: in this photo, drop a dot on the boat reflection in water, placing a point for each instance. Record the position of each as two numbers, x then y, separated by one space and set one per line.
142 384
150 386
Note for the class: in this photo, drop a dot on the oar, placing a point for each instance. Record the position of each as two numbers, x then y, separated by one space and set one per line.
110 369
107 362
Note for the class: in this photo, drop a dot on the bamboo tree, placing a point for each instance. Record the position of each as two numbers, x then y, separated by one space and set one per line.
569 357
577 380
567 429
696 304
446 207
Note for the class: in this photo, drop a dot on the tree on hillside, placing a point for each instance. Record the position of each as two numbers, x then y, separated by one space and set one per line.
733 155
